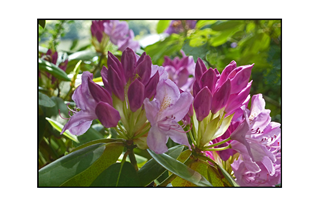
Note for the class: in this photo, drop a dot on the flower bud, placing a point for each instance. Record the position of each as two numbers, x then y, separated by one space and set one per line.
128 60
200 69
143 69
136 95
104 75
99 93
221 96
202 103
208 79
150 89
107 115
116 84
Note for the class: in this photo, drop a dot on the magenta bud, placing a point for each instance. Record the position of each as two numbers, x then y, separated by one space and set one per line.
115 83
150 89
54 58
221 96
208 79
104 75
196 88
236 100
227 70
202 103
107 115
99 93
128 60
182 77
200 69
241 78
136 95
114 62
143 69
99 35
141 58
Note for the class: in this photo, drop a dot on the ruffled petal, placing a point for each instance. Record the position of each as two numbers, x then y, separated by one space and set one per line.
79 123
157 140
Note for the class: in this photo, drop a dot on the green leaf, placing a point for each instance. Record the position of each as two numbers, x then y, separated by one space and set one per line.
110 155
225 35
227 176
42 23
162 25
196 52
202 168
88 136
118 175
83 55
64 168
98 141
225 25
152 170
203 23
74 44
180 169
59 127
45 101
53 69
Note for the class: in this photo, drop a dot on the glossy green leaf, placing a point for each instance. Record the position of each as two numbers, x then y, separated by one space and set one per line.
83 55
66 167
59 127
53 69
152 170
162 25
224 36
118 175
88 136
45 101
227 176
180 169
98 141
110 155
42 23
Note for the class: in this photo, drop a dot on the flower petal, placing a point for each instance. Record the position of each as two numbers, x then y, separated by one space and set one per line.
99 93
167 93
221 96
79 123
136 95
202 103
178 135
157 140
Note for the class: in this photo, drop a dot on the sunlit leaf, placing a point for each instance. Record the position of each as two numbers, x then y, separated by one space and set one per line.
83 55
53 69
162 25
59 127
180 169
66 167
152 169
110 155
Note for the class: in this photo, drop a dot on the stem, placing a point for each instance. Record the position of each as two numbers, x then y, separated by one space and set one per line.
167 180
133 159
217 144
192 138
120 133
199 133
122 162
219 149
99 65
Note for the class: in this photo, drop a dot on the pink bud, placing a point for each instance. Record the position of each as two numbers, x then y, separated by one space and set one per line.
136 95
221 96
202 103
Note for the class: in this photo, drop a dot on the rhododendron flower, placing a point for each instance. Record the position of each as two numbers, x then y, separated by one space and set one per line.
257 138
95 103
120 34
179 70
164 112
178 26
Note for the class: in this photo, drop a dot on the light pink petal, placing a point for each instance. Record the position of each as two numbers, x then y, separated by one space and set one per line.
157 140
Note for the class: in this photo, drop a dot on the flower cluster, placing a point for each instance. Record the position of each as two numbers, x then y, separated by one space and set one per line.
52 57
178 26
114 31
148 104
180 71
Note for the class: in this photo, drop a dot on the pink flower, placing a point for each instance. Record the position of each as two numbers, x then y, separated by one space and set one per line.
164 112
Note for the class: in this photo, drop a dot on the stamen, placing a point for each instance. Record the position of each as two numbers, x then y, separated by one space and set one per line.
62 117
